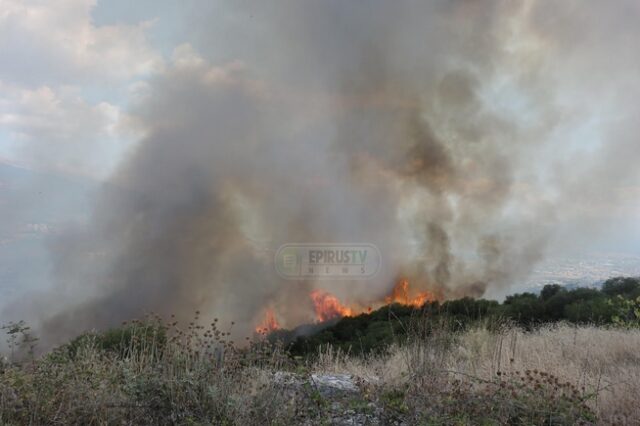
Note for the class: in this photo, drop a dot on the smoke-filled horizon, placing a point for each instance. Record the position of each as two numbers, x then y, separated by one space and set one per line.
454 135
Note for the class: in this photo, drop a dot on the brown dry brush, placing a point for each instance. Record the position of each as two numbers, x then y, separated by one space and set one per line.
500 374
431 390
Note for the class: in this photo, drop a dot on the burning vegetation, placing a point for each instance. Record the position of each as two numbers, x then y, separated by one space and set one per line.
327 306
403 295
269 322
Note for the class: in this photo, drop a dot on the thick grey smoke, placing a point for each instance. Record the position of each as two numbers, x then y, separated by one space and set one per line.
431 129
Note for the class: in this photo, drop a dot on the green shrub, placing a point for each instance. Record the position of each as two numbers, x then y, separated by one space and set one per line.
131 338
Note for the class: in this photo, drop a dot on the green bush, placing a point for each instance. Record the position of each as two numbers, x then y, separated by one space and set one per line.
131 338
626 287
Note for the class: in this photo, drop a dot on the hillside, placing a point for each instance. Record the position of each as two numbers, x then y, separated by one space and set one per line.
462 362
614 301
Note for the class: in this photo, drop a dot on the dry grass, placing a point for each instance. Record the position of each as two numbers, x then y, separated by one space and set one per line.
148 373
164 374
601 364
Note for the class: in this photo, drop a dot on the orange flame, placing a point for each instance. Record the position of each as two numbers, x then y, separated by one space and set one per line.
327 306
269 323
401 294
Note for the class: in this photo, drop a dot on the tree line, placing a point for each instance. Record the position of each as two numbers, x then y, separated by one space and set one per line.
616 302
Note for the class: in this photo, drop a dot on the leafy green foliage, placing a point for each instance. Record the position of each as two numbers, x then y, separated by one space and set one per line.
626 287
123 341
626 311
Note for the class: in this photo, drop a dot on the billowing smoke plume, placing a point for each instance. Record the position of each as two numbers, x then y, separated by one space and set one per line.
442 132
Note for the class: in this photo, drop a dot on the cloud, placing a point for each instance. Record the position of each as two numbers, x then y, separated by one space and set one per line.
65 83
56 129
55 42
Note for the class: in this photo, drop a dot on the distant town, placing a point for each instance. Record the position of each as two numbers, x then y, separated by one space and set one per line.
588 270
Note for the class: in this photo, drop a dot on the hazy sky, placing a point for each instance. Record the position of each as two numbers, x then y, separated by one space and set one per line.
144 146
73 74
70 70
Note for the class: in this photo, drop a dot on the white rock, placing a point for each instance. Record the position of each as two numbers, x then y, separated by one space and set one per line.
334 383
